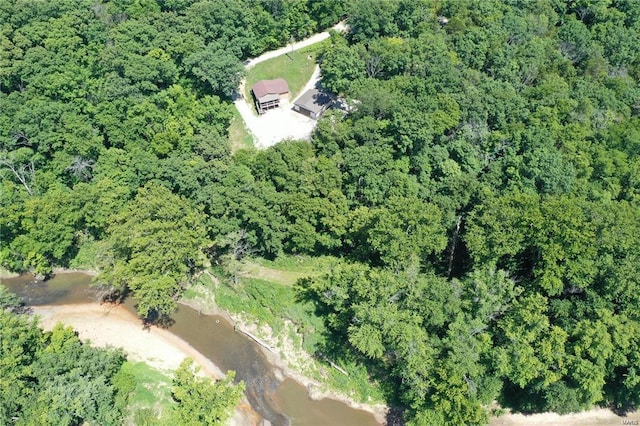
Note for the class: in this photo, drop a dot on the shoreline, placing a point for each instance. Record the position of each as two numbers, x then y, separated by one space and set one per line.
105 325
62 271
594 416
112 325
7 275
109 325
314 388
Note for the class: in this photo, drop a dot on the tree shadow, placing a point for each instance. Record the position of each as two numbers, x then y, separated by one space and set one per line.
339 351
107 293
159 319
624 409
395 416
520 400
22 309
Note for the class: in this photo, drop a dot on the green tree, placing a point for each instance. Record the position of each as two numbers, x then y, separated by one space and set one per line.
404 230
74 382
371 19
239 202
217 67
201 401
53 379
533 349
8 300
48 224
342 65
20 341
152 248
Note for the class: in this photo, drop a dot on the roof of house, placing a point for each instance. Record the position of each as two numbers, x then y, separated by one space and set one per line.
270 87
313 100
269 97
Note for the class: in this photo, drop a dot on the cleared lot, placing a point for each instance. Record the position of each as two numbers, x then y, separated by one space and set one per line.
280 123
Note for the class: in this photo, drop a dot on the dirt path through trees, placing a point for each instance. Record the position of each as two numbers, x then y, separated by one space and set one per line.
316 38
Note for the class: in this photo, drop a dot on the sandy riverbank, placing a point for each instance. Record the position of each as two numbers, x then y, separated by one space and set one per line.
599 417
90 272
109 325
6 274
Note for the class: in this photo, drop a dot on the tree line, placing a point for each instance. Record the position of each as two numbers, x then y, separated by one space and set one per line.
482 190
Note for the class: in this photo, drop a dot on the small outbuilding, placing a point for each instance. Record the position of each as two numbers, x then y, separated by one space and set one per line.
312 103
269 93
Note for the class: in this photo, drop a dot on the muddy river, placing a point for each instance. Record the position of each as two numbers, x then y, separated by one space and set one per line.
278 401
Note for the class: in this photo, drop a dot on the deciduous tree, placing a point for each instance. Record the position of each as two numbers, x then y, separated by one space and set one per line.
152 248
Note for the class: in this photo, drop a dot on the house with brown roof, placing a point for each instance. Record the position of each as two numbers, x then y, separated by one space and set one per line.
269 93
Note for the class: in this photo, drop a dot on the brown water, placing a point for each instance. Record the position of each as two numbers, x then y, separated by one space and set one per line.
64 289
280 402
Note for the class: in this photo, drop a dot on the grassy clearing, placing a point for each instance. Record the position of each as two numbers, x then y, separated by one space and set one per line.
268 303
302 264
239 136
153 388
295 328
193 293
295 67
286 270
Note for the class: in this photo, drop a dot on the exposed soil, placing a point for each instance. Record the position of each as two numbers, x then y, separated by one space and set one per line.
599 416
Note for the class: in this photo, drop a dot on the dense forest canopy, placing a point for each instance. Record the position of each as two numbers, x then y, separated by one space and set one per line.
483 192
100 100
52 378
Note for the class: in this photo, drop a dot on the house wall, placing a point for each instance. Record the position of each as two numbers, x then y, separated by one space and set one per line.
263 107
304 111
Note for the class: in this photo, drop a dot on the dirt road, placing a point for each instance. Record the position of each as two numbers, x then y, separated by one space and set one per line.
316 38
